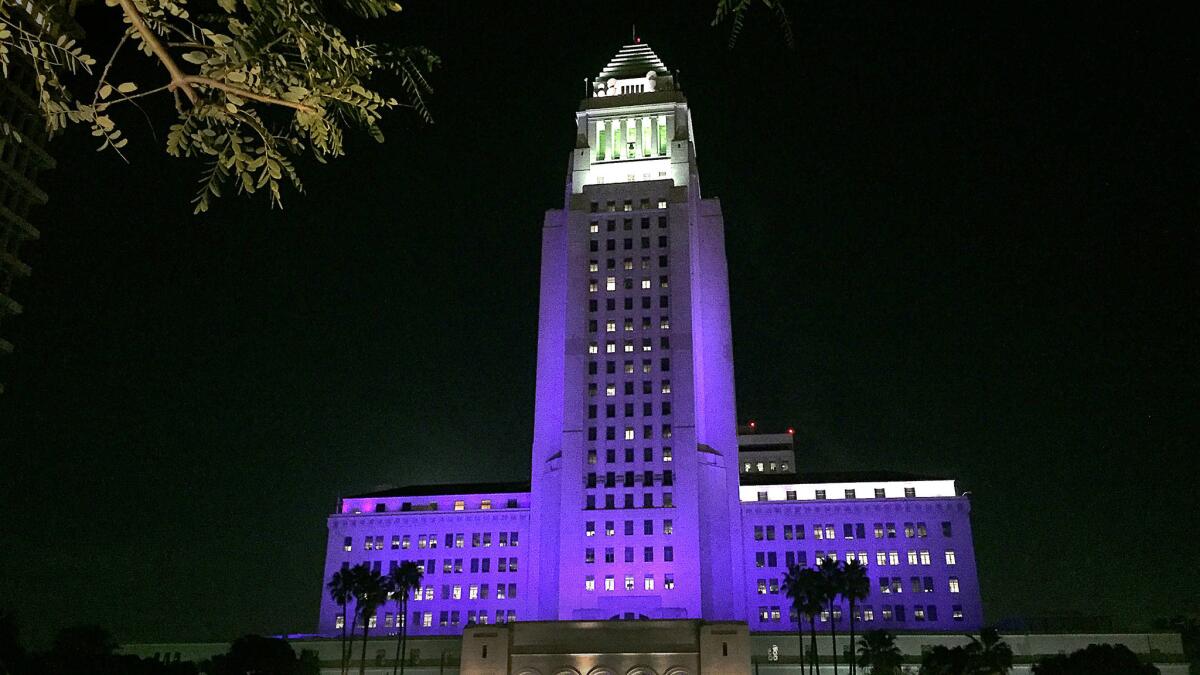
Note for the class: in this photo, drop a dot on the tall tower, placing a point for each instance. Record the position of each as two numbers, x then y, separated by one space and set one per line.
635 508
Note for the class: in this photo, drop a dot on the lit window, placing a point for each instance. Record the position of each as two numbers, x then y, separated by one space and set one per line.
593 266
427 620
868 614
348 544
610 284
668 527
473 592
950 558
953 584
925 557
339 621
645 283
589 583
594 227
881 558
610 326
372 621
662 203
629 433
593 348
668 581
912 557
610 347
456 593
629 582
648 582
893 557
589 529
610 390
762 586
628 346
666 454
610 583
628 263
592 286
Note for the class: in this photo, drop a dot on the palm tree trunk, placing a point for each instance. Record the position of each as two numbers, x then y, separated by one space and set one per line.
816 660
402 623
350 645
800 634
343 638
853 660
833 637
404 641
362 665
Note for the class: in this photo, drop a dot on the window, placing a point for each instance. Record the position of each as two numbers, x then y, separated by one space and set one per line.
820 494
339 621
912 557
610 583
666 452
589 583
950 558
946 529
348 544
910 492
762 496
668 527
957 612
610 283
849 494
893 557
662 203
925 558
589 529
668 581
881 558
879 493
589 555
953 584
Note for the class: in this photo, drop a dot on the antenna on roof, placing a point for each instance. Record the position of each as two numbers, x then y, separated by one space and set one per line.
633 32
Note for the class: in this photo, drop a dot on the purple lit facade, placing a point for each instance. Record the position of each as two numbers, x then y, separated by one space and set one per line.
635 509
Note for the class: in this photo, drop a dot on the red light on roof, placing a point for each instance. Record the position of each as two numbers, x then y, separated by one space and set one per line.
791 430
752 424
637 40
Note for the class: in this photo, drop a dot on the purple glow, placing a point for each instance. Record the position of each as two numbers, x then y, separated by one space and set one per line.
635 457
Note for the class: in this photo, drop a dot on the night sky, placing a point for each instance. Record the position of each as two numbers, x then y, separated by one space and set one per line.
962 241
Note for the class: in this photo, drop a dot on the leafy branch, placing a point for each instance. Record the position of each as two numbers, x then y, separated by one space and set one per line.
256 83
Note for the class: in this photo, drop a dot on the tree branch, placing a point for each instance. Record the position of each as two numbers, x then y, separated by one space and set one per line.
178 79
246 93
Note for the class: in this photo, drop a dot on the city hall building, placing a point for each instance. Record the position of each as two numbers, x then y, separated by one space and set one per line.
639 506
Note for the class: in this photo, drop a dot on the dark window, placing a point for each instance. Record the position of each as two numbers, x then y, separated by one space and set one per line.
593 245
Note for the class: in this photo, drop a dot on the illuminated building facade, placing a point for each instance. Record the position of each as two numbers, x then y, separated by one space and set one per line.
635 508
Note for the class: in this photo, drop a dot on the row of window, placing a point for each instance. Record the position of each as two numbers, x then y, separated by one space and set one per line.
453 540
627 245
849 493
610 530
610 283
849 531
610 501
425 619
630 433
627 205
610 225
610 582
866 613
628 346
610 554
882 558
610 368
610 409
449 565
610 454
629 479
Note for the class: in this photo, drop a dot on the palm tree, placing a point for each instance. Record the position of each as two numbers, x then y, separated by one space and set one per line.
341 592
989 654
793 587
812 589
855 586
402 581
877 649
833 580
371 593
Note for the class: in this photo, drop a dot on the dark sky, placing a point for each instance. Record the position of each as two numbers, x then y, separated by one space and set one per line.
962 241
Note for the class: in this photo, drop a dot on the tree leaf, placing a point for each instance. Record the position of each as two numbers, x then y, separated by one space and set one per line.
105 91
195 57
127 87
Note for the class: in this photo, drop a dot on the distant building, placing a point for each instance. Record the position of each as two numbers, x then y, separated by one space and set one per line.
635 508
765 453
22 160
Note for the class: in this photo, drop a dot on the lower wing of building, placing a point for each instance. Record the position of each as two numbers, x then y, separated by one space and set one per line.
471 543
